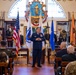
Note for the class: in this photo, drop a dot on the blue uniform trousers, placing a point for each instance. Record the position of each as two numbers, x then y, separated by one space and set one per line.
37 56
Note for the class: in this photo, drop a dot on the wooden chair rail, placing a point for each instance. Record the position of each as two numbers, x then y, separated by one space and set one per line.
57 60
22 49
5 65
49 53
63 65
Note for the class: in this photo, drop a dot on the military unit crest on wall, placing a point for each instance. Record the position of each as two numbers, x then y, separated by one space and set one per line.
36 8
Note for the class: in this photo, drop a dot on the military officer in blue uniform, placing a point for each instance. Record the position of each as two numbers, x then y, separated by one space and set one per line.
37 39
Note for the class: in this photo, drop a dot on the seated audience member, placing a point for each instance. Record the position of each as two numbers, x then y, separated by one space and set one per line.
71 54
5 53
4 49
3 57
70 68
62 51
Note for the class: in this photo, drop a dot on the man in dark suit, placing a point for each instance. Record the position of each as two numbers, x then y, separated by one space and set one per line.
7 51
62 51
71 54
37 39
9 34
47 37
62 37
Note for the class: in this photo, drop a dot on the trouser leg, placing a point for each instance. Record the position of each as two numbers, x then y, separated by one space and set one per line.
39 57
34 57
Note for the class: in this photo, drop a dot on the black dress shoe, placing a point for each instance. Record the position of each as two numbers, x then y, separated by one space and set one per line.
39 65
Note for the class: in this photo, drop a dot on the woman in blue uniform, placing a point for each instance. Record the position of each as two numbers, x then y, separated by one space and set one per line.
37 39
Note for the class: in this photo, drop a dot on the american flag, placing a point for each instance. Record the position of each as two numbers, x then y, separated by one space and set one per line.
16 36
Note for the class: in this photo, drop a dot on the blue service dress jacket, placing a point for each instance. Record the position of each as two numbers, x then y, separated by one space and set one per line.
37 44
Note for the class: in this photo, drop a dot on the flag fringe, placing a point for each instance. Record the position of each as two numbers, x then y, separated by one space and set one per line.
53 53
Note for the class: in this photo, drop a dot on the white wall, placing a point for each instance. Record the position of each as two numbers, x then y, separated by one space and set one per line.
5 6
69 6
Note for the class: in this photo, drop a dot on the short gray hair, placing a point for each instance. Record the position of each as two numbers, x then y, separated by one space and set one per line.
70 49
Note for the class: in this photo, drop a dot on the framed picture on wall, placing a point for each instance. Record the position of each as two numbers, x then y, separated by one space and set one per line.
63 28
63 25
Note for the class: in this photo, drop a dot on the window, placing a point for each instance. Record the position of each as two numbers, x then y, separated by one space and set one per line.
19 5
54 9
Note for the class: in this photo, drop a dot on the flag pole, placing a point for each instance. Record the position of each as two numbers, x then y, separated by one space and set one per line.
72 31
28 34
16 35
19 38
75 32
52 43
